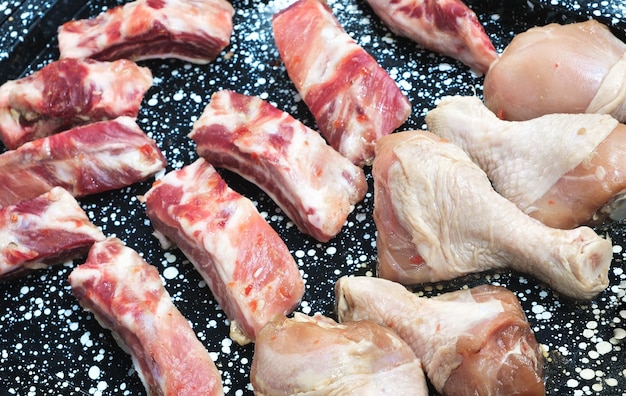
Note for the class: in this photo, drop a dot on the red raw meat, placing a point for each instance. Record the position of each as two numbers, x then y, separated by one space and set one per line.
353 99
315 185
244 261
126 295
85 160
448 27
44 231
67 93
192 30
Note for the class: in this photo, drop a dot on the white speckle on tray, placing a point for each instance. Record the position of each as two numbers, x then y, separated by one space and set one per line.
85 340
170 273
572 383
604 347
587 374
226 344
94 372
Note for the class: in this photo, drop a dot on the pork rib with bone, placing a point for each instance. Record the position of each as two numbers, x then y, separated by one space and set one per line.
126 295
438 218
192 30
448 27
43 231
471 342
84 160
563 169
245 263
68 93
572 68
314 355
315 185
353 99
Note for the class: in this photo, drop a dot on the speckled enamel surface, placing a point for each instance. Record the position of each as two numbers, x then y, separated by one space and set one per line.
50 346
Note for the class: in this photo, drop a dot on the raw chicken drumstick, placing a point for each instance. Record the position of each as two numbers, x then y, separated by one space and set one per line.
447 27
563 169
574 68
439 218
471 342
317 356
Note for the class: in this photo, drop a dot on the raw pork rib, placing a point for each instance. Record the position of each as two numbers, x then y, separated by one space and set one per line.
447 27
85 160
317 356
126 295
352 98
471 342
44 231
315 186
574 68
67 93
438 218
563 185
244 261
192 30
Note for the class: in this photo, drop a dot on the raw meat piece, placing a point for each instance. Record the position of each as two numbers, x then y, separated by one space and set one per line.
438 218
563 185
85 160
244 261
447 27
315 186
573 68
471 342
317 356
67 93
191 30
126 295
43 231
352 98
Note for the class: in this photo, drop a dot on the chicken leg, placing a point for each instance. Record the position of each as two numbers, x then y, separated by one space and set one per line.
314 355
471 342
563 169
438 218
573 68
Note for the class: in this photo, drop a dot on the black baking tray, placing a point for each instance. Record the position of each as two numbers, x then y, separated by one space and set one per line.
50 346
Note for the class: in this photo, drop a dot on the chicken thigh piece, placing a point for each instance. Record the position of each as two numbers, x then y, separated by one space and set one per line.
573 68
563 169
315 355
448 27
471 342
438 218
